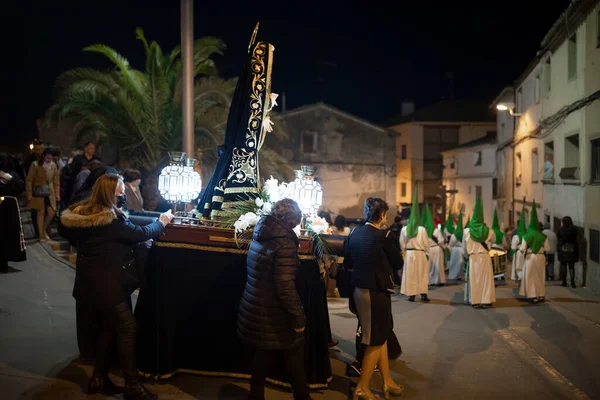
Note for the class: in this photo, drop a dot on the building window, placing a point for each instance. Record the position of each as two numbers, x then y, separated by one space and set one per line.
403 189
548 75
594 245
572 54
453 164
478 192
537 89
548 162
546 219
478 158
572 151
519 105
535 166
494 188
403 152
595 170
309 142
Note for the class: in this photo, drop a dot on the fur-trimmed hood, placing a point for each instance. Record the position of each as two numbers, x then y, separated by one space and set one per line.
72 219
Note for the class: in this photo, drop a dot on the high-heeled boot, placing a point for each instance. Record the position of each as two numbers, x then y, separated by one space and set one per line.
388 391
103 384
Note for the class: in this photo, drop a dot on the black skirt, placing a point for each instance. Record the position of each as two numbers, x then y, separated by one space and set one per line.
374 309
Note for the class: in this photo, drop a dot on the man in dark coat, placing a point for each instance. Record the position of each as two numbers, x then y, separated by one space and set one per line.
568 250
271 318
12 245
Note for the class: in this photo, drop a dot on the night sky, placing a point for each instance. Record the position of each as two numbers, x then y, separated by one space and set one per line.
363 59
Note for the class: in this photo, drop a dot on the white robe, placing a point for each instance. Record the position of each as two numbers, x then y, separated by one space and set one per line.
533 284
518 259
455 267
415 274
479 288
436 259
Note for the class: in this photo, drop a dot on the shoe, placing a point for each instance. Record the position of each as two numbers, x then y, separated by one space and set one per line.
333 343
103 385
542 299
535 301
486 306
360 395
4 269
353 370
411 298
424 298
137 391
388 392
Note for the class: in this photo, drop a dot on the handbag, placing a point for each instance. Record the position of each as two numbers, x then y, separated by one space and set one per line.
130 277
41 191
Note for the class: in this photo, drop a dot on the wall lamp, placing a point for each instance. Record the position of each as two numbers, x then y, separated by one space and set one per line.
508 106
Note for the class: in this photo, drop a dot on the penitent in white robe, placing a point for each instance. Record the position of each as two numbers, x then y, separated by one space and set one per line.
533 284
415 274
436 259
455 268
479 286
518 259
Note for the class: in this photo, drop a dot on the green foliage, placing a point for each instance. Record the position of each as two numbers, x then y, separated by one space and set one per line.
140 110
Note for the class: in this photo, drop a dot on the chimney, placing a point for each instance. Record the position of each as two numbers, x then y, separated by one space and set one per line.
283 102
407 107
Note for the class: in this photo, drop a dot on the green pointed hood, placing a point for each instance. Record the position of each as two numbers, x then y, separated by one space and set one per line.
458 232
534 238
412 228
429 224
496 229
449 224
521 230
478 230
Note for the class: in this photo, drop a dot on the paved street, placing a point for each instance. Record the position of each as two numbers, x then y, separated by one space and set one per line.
451 351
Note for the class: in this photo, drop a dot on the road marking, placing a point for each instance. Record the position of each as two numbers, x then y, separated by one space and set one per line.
522 347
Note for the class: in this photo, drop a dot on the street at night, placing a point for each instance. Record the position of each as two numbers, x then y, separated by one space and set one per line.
451 351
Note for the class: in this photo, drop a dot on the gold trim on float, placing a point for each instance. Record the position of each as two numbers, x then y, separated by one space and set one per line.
241 190
216 249
229 375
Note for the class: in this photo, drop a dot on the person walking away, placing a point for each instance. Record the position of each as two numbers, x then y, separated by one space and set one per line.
12 241
480 291
135 201
271 318
88 155
43 191
518 257
455 269
568 250
373 258
550 254
534 245
104 237
437 276
415 243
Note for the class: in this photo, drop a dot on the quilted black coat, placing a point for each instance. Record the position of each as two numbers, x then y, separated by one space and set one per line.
270 308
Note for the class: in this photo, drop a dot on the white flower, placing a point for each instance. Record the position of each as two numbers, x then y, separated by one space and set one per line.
274 97
259 202
317 224
245 221
267 207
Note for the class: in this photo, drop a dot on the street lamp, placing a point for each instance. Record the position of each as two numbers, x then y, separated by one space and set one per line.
507 106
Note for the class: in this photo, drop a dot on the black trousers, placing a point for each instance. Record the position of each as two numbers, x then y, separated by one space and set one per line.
118 322
89 323
550 267
263 360
563 271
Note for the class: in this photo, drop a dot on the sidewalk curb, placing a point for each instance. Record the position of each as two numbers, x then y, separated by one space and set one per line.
52 254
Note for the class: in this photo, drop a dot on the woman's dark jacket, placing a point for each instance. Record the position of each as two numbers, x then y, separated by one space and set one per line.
371 255
270 309
104 245
567 240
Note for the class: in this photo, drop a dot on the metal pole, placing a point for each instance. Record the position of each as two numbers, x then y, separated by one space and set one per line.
187 59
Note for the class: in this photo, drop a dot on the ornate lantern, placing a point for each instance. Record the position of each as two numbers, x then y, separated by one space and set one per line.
178 182
306 191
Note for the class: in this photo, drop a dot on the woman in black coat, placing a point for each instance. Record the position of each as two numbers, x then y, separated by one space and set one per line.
12 243
371 255
104 238
568 250
271 318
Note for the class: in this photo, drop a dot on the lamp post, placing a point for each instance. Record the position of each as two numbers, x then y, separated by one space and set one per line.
508 106
187 76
